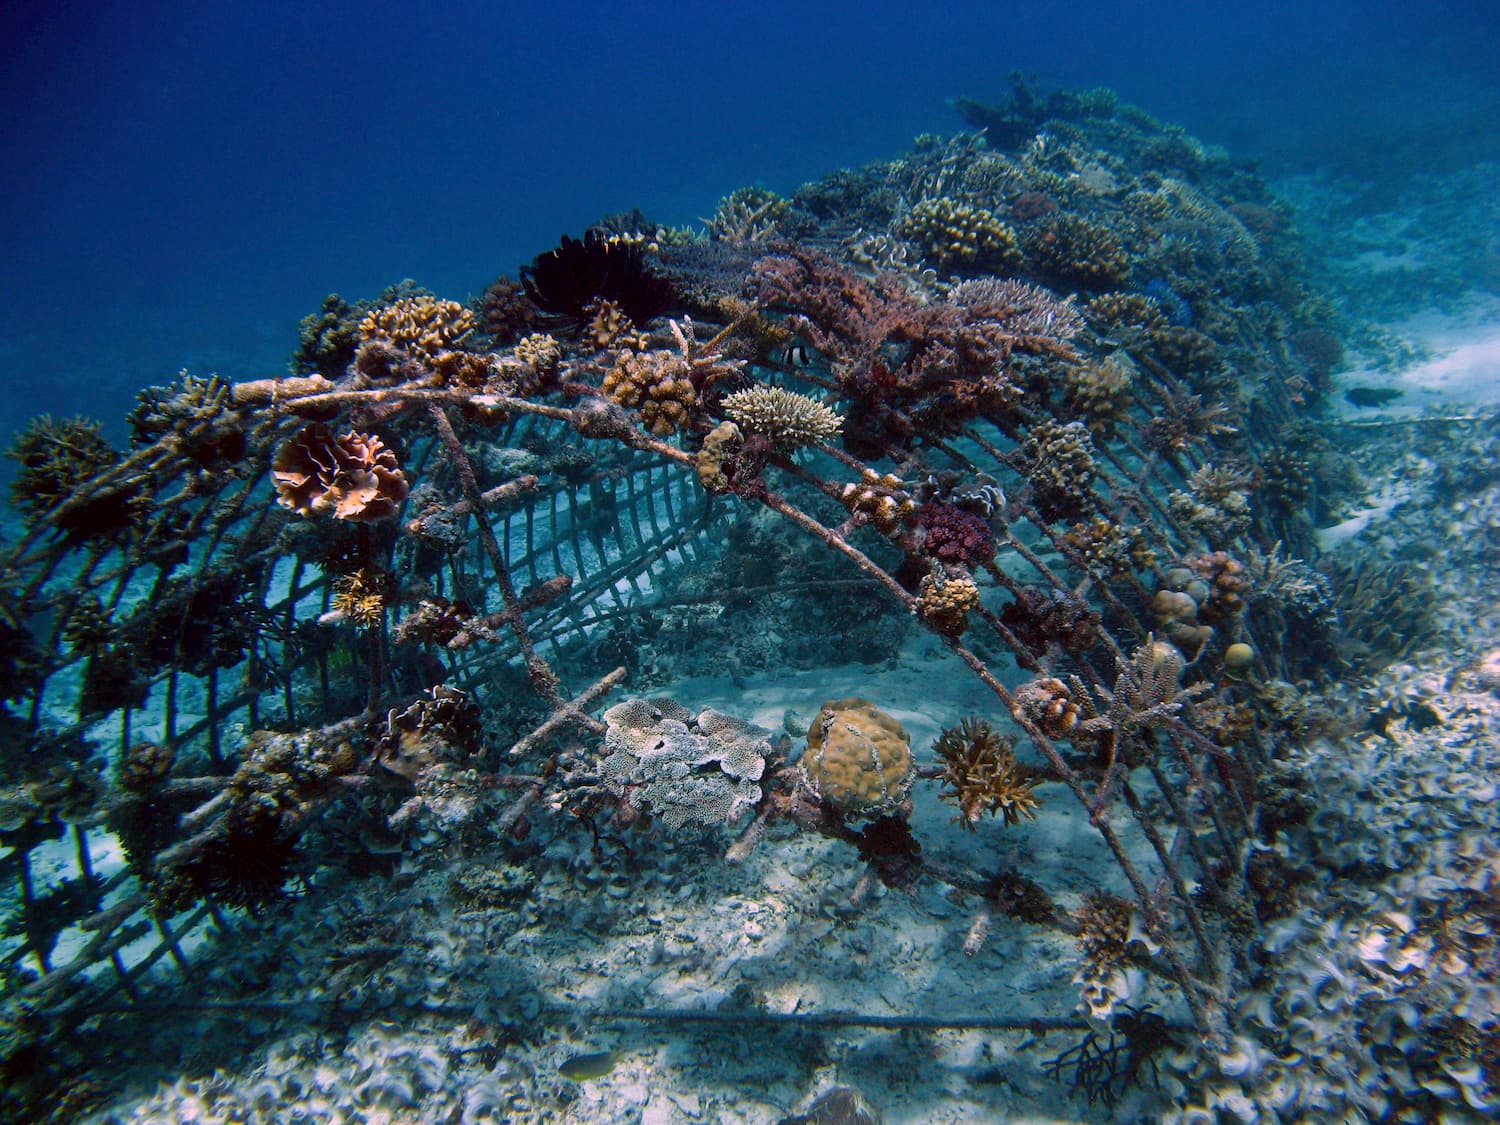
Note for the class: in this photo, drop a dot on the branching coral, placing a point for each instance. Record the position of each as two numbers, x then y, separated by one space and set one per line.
747 214
420 324
1216 505
663 385
788 419
981 774
958 237
1078 252
1060 466
1110 550
60 462
354 477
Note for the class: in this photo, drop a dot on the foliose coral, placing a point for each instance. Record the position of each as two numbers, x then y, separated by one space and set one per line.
680 767
354 477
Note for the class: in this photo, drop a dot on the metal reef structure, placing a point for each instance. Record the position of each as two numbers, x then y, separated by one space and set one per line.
991 404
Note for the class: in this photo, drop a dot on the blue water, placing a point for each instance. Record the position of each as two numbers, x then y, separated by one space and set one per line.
183 181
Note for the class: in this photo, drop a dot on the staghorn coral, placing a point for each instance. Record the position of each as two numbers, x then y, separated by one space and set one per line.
1216 505
788 419
360 598
685 769
354 477
858 758
981 774
957 237
1059 463
60 461
747 214
193 416
945 598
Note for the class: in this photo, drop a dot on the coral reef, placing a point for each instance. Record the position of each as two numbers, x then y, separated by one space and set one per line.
946 598
858 758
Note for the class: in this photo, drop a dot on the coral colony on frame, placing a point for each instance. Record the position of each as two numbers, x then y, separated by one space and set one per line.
336 705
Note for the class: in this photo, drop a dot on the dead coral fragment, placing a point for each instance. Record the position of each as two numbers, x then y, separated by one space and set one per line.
354 477
981 774
858 758
789 419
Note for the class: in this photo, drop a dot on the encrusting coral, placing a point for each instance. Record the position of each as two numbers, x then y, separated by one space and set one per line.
858 758
354 477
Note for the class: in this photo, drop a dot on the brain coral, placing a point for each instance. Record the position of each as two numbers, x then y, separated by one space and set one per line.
858 757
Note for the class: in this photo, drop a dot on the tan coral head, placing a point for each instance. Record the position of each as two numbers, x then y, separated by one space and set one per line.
354 477
858 758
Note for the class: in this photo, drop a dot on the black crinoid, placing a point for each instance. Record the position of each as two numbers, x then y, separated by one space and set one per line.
569 283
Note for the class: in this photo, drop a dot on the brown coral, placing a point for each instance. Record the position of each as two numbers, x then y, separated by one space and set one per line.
354 477
717 446
419 324
981 774
956 236
881 499
656 383
1060 466
858 758
944 600
1047 704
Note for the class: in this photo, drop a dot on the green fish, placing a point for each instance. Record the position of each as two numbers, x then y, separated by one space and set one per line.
1371 396
581 1068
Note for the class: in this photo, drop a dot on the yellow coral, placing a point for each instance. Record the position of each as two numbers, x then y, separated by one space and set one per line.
956 235
658 384
945 602
420 324
858 757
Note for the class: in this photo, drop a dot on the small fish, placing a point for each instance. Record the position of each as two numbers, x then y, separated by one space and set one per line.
794 355
1371 396
581 1068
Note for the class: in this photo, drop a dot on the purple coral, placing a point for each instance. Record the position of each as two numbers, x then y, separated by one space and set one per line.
954 536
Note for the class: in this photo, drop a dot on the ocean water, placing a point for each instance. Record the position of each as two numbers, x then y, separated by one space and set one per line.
1075 698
